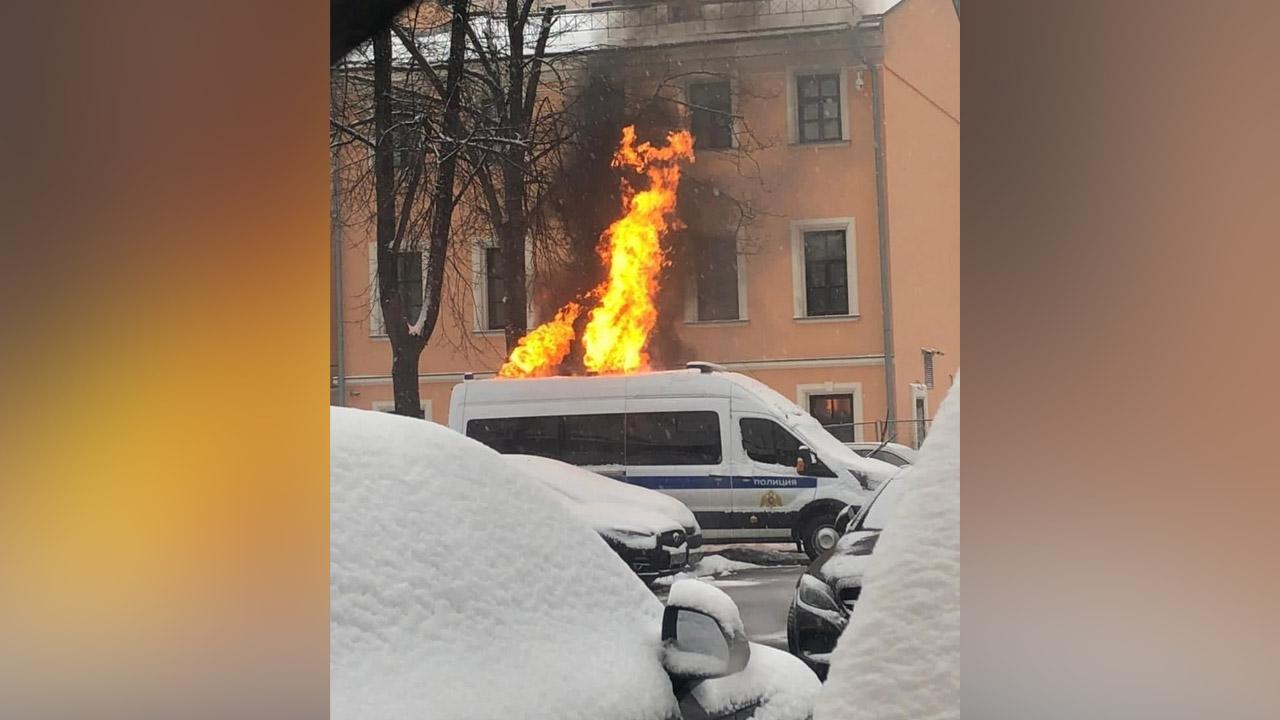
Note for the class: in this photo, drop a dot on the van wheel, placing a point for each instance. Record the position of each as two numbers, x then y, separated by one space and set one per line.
819 535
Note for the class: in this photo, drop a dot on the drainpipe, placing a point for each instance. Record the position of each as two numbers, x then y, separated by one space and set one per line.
871 49
338 302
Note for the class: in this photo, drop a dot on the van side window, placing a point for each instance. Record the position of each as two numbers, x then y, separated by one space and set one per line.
524 436
592 440
768 442
673 438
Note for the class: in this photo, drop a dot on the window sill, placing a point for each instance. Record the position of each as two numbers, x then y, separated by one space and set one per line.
825 318
737 321
384 336
822 144
489 333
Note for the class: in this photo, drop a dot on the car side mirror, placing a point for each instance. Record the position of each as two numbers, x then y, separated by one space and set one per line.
702 633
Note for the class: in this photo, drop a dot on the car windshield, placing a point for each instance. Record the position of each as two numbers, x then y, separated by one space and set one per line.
882 506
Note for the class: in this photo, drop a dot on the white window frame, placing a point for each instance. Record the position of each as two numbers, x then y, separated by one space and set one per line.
803 392
389 405
691 297
377 328
918 392
734 110
793 110
480 288
800 311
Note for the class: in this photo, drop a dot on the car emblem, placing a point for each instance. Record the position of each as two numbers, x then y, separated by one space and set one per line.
679 537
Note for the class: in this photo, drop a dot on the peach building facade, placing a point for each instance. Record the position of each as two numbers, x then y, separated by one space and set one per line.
797 298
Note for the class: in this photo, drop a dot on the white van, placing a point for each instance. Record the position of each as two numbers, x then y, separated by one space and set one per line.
748 462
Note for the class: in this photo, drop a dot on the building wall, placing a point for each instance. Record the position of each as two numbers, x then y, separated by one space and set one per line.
800 183
921 74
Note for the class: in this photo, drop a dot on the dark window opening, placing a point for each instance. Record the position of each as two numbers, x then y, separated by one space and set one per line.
409 283
592 440
711 114
835 412
717 280
673 438
768 442
928 369
524 436
818 103
826 273
495 291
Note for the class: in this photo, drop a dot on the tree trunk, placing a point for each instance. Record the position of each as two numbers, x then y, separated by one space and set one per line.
405 348
514 167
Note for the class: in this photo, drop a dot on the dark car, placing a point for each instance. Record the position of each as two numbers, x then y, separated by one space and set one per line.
828 591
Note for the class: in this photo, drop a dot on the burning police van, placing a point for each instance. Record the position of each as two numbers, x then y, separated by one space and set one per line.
749 463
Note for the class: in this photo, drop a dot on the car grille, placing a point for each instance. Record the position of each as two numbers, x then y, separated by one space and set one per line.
694 538
849 596
671 538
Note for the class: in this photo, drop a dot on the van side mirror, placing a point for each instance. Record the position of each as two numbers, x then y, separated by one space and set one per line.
804 458
702 633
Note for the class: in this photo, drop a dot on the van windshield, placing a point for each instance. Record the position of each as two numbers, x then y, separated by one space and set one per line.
820 440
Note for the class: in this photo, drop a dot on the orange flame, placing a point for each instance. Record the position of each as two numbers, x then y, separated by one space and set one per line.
540 351
617 333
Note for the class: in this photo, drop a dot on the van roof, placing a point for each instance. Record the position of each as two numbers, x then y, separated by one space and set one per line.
666 383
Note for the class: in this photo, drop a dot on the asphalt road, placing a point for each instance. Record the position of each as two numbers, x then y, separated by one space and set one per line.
763 596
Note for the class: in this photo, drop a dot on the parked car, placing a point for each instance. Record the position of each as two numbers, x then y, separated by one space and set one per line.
828 591
461 589
749 463
892 453
655 534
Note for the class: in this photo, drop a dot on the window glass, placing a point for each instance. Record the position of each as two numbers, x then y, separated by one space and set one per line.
711 114
409 283
768 442
818 103
890 458
592 439
524 436
835 412
673 438
826 273
495 291
717 282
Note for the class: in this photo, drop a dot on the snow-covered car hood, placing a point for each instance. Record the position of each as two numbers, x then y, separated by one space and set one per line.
633 527
843 565
586 487
434 615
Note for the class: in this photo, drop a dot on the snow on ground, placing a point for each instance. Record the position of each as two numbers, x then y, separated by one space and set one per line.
899 657
433 616
709 566
760 553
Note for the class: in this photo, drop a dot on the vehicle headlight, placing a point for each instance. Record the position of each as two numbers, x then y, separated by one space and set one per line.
817 594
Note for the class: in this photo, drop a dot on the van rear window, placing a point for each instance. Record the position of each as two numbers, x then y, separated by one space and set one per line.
658 438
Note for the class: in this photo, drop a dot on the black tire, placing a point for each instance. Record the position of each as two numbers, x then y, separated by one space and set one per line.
813 537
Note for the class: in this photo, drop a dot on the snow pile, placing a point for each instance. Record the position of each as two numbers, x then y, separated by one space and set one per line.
900 655
790 686
708 566
434 614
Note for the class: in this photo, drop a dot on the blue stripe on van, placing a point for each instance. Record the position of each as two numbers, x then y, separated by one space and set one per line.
719 482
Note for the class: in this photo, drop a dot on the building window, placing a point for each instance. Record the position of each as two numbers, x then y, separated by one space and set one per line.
826 273
717 280
495 291
818 104
835 412
409 283
928 368
711 114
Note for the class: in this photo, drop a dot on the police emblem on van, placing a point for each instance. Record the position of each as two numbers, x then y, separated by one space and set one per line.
771 499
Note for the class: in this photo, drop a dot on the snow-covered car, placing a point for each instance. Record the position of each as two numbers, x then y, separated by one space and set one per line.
892 453
654 533
827 592
430 617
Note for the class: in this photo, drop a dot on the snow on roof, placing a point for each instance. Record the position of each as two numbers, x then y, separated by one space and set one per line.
899 657
588 488
460 588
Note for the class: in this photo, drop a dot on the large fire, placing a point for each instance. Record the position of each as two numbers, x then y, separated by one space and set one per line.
618 327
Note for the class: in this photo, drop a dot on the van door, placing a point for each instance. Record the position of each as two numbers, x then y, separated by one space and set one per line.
677 446
768 492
